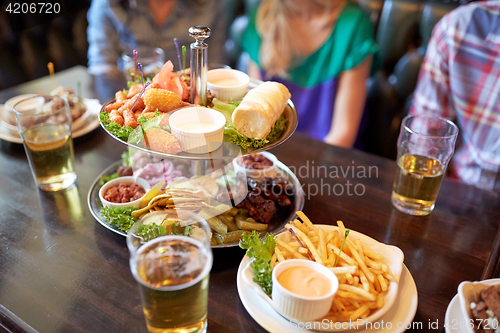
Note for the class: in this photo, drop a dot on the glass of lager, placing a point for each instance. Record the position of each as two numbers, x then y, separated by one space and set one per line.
425 146
44 124
172 270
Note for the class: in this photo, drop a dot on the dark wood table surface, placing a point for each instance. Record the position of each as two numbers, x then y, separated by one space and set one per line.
61 271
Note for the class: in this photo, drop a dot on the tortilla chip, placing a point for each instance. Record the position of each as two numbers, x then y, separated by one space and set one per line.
161 141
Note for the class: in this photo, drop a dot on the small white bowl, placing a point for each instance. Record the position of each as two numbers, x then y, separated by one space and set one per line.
10 117
257 174
204 140
294 306
129 180
469 292
228 84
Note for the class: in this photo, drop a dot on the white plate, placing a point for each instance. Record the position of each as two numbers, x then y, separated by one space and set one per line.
454 320
9 132
401 313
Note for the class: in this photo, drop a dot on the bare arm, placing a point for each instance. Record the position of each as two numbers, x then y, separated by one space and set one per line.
349 104
253 70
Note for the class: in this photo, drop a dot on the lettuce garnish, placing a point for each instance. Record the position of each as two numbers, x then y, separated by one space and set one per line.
261 252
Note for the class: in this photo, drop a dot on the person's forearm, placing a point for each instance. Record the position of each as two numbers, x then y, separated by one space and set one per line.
349 105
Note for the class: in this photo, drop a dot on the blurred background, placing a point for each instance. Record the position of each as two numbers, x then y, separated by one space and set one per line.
402 28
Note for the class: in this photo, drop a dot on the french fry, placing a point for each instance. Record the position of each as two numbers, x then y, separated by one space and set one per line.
344 270
340 224
383 282
358 291
279 255
369 275
303 237
306 221
322 245
343 255
291 250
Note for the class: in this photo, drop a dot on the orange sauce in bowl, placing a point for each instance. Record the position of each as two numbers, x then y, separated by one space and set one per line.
305 282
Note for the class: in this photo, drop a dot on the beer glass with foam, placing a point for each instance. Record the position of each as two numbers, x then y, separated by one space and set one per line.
172 270
44 124
425 146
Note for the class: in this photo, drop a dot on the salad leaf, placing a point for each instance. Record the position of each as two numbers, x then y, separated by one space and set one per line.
224 108
278 128
146 123
150 231
230 177
261 253
119 218
104 179
121 132
241 140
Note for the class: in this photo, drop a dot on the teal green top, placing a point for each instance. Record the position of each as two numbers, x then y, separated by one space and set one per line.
313 81
349 44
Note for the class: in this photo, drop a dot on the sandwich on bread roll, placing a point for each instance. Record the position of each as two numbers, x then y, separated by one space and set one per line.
260 108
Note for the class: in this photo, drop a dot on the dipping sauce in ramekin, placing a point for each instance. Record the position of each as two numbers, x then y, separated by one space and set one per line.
198 130
228 84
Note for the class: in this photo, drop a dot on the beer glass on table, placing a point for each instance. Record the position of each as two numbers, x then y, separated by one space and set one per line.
172 271
425 146
44 124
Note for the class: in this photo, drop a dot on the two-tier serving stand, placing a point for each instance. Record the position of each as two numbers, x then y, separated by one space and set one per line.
205 163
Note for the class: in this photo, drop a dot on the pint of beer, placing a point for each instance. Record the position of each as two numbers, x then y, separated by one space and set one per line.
425 146
172 272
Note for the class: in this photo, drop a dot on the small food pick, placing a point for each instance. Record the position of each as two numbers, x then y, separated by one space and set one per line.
135 64
50 65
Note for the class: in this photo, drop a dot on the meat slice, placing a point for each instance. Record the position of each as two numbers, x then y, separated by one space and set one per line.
492 299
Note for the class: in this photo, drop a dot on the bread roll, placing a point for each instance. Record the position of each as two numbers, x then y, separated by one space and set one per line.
260 108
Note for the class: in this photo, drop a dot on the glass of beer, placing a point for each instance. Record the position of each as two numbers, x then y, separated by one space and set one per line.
172 270
44 124
151 58
425 146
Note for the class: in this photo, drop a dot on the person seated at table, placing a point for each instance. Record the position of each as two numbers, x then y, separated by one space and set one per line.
460 80
116 26
322 50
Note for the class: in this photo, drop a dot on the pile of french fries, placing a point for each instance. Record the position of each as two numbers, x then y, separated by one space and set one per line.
363 275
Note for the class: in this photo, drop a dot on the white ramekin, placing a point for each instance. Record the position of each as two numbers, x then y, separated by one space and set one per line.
257 174
198 143
228 93
294 306
129 180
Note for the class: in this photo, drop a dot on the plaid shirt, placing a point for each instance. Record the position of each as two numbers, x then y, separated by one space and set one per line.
460 80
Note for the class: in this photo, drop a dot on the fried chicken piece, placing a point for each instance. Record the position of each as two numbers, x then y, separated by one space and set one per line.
161 141
134 90
114 106
116 117
120 96
161 99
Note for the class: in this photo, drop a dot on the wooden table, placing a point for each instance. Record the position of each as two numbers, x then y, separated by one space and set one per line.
61 271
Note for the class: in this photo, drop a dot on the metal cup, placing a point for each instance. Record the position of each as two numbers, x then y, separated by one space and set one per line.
425 146
172 270
44 124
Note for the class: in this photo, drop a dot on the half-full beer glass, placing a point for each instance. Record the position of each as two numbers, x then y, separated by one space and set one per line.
425 146
172 270
44 124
